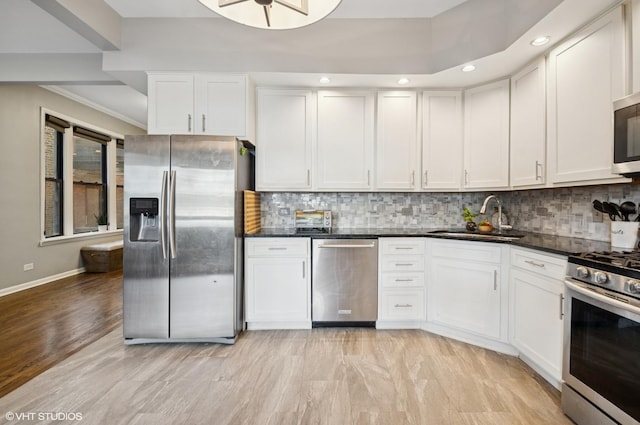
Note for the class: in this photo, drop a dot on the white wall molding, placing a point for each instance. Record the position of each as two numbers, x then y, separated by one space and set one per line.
38 282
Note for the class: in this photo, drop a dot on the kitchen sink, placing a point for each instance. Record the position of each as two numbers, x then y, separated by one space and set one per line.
479 236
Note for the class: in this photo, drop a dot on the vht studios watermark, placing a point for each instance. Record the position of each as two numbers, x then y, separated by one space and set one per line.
43 416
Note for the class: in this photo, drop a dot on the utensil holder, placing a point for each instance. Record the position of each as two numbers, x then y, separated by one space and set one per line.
624 234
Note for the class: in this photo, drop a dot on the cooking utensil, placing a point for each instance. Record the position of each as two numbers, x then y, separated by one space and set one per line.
627 208
616 209
610 209
597 205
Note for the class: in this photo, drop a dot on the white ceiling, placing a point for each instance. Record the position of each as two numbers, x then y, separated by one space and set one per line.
363 43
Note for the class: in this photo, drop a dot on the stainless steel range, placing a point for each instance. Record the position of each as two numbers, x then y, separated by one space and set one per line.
601 365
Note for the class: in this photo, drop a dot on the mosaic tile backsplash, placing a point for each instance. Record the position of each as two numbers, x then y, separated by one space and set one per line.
562 212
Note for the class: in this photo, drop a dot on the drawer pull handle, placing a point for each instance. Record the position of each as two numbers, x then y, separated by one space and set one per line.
403 247
403 306
346 246
404 280
533 263
404 264
277 248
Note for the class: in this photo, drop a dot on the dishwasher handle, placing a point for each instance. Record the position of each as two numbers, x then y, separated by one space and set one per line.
346 246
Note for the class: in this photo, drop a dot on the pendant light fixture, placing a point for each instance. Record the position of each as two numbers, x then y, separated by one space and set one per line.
273 14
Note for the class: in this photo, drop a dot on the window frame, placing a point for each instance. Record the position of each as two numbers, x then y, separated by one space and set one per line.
67 234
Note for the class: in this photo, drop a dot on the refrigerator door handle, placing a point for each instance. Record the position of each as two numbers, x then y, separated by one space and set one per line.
163 209
172 218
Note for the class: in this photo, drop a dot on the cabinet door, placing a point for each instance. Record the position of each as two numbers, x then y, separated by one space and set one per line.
441 140
486 137
283 143
586 74
528 126
536 319
465 295
397 141
345 141
170 104
220 105
277 289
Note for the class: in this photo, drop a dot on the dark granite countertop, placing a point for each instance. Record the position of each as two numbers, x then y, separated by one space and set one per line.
561 245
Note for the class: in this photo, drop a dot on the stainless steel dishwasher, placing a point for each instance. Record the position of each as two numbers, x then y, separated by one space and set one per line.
344 279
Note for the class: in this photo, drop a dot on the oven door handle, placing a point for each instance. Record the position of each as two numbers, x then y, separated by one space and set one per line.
610 300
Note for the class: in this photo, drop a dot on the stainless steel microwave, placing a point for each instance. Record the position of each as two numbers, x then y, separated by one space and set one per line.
626 136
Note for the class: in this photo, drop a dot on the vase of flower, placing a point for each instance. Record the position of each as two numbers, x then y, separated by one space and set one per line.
468 216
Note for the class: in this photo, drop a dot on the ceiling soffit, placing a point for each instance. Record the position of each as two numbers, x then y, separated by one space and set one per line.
473 29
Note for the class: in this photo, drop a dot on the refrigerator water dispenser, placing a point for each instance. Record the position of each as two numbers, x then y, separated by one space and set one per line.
144 220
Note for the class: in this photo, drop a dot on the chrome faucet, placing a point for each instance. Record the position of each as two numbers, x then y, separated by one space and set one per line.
484 209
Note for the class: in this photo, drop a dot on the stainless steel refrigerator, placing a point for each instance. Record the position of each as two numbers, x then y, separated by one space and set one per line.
183 245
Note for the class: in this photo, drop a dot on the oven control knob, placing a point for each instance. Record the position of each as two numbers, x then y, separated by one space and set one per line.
634 286
582 272
601 278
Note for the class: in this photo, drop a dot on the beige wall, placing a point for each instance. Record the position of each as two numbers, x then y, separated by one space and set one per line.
20 183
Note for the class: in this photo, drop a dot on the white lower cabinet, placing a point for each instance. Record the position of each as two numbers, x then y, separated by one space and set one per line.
277 283
466 292
536 315
401 283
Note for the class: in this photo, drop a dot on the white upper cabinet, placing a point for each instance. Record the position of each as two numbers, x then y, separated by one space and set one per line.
197 104
528 126
344 150
397 141
283 143
441 140
221 105
170 104
486 136
586 73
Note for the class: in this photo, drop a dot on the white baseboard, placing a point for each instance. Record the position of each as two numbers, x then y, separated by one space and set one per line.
44 280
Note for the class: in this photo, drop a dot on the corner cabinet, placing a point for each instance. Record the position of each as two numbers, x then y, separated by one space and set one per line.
486 136
344 149
277 283
401 283
284 139
528 126
211 104
586 73
536 310
467 295
397 141
441 140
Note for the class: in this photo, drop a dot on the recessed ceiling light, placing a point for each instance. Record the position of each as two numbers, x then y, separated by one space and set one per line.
540 41
403 81
468 68
325 80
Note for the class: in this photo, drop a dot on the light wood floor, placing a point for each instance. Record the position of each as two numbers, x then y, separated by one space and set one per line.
320 376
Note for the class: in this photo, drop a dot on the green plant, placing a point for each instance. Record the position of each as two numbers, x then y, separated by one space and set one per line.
102 219
467 215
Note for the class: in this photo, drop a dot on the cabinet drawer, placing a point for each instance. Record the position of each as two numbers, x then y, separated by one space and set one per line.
402 280
463 250
410 263
277 247
546 265
402 305
399 246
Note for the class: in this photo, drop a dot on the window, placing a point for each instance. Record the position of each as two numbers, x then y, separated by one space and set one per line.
83 178
120 184
89 179
53 139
